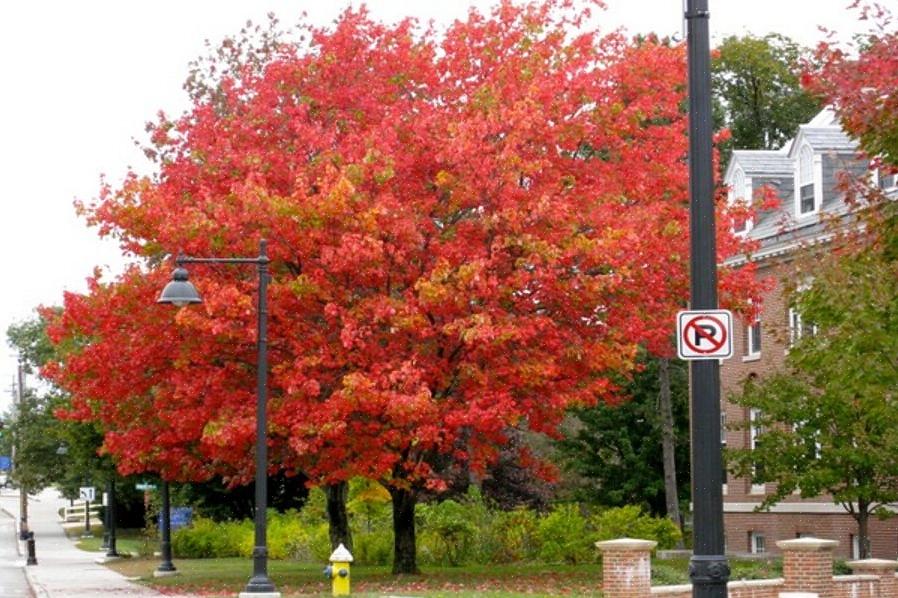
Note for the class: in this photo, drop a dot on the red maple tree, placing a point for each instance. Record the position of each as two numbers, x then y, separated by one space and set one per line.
470 233
859 79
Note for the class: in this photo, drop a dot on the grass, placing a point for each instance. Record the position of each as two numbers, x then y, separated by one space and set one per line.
128 542
225 577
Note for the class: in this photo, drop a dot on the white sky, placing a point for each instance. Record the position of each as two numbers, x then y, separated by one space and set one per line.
78 80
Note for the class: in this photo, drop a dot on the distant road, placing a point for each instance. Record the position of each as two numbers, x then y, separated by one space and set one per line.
12 576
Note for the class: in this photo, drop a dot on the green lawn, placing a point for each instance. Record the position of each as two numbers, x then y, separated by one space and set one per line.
226 577
127 541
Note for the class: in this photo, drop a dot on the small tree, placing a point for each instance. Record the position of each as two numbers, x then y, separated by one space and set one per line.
828 422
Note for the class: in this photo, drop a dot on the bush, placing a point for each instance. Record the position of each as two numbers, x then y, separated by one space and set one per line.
564 537
510 536
206 538
630 521
447 532
373 548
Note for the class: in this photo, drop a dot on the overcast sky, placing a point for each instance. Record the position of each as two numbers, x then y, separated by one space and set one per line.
80 79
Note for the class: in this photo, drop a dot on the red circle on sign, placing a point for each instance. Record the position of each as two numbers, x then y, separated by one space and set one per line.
693 325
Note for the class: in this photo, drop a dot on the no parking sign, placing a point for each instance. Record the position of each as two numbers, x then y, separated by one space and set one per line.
706 334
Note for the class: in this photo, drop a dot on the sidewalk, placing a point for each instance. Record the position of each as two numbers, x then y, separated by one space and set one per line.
64 571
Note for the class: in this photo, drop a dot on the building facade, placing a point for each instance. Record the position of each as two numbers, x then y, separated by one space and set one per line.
804 174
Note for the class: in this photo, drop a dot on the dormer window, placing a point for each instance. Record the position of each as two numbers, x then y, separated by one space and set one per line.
810 172
740 191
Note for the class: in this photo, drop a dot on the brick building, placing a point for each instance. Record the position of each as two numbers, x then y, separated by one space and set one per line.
804 174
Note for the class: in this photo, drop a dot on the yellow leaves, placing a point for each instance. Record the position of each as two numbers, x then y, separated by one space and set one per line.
672 229
303 286
444 179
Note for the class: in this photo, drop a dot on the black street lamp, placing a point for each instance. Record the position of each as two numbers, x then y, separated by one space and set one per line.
166 567
708 568
111 551
181 292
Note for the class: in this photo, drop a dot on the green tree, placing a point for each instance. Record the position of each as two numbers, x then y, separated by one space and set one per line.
615 450
756 81
828 422
48 451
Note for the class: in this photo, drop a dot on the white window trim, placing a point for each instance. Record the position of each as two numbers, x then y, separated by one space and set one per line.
796 327
816 178
744 194
753 432
755 537
749 354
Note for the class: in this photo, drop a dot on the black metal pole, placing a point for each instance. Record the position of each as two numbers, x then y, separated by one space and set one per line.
708 568
105 544
166 565
260 582
110 515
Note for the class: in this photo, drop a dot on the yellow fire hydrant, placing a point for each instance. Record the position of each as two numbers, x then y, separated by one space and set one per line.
338 570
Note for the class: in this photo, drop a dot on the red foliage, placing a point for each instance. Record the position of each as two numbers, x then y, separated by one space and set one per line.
468 233
860 80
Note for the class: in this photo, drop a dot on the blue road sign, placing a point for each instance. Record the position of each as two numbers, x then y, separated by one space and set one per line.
179 517
5 463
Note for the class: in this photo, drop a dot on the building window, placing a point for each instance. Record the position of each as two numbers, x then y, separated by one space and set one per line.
807 192
754 433
756 543
799 327
740 192
753 339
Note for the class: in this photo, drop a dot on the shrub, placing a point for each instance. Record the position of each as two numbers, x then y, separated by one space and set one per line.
510 536
209 539
447 532
373 547
630 521
564 537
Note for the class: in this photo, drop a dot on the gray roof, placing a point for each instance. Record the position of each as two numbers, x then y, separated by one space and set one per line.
826 138
765 162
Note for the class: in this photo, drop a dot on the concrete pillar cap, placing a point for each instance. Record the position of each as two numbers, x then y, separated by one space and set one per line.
807 544
622 544
866 564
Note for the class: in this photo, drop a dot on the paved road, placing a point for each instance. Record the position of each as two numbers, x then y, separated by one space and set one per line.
12 577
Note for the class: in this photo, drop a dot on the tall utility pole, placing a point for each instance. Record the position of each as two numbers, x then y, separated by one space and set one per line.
708 568
23 491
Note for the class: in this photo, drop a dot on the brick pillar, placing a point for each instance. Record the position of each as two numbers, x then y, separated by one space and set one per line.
808 565
626 568
883 569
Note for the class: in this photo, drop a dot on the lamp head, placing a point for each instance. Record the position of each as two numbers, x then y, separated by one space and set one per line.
180 291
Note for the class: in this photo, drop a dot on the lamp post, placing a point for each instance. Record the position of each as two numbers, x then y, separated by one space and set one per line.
181 292
166 567
708 568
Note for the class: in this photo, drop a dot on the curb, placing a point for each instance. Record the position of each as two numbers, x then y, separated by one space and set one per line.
34 588
16 531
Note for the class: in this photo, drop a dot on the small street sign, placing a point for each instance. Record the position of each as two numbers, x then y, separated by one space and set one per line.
706 334
87 493
145 486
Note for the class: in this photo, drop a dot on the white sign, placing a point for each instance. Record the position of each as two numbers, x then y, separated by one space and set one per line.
705 334
87 493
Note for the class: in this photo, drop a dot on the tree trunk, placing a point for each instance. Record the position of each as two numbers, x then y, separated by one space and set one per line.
404 546
337 517
863 538
668 446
